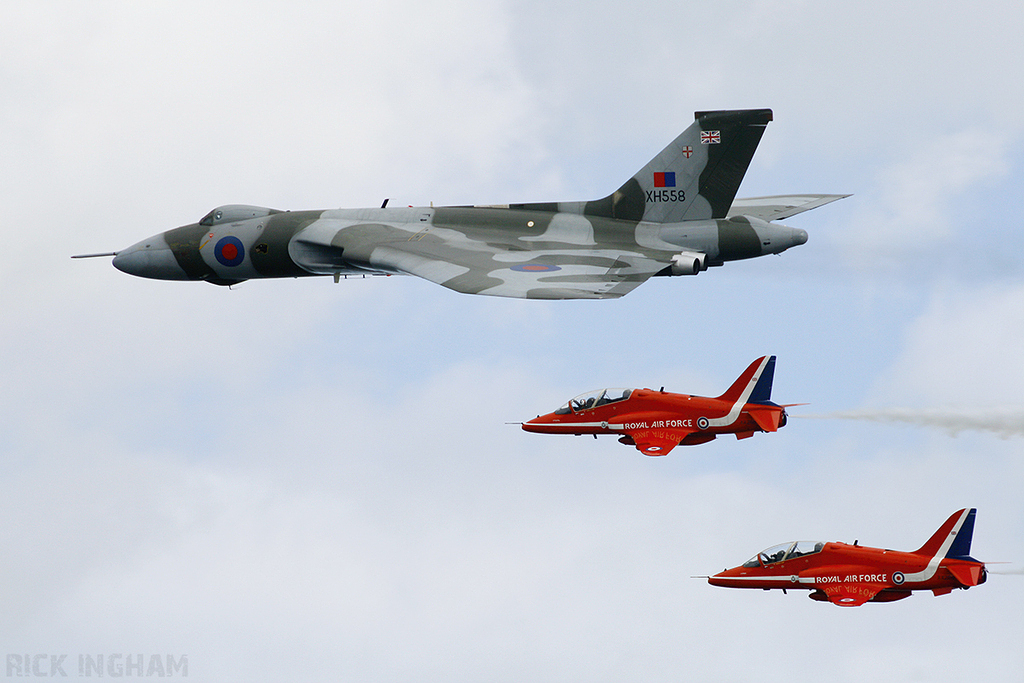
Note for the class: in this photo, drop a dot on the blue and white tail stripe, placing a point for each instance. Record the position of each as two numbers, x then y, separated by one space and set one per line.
763 389
948 544
961 547
744 397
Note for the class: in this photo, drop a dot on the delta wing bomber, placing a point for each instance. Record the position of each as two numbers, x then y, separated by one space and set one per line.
676 216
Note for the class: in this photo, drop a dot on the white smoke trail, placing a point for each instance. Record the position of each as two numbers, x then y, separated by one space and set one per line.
1006 423
1004 572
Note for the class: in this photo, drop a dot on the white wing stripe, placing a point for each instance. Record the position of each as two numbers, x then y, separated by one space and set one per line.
738 406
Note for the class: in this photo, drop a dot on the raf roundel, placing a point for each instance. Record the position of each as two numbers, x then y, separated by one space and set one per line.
229 251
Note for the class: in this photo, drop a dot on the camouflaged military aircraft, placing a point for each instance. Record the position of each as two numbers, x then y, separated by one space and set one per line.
676 216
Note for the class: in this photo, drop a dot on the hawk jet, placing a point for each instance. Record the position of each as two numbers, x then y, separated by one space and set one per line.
676 216
658 421
850 575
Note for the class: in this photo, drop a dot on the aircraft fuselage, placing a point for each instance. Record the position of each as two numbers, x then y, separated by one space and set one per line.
274 244
850 575
686 419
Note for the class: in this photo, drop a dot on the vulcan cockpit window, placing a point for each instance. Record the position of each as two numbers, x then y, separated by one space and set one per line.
211 218
231 213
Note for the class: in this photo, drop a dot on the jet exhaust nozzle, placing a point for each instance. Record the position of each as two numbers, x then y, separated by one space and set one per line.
688 263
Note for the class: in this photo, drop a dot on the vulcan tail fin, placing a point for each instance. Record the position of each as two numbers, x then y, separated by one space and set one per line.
953 538
755 384
696 176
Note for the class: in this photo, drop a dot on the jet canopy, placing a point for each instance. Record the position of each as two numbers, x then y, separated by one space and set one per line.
232 213
593 399
784 551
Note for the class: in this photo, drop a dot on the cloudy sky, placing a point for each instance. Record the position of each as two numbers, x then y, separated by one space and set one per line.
302 480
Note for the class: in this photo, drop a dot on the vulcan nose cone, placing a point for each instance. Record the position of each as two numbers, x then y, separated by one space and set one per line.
799 237
150 258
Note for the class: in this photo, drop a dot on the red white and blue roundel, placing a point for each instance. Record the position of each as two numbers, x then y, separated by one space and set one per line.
229 251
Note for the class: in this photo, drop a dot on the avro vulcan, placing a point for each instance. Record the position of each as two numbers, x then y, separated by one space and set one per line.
677 216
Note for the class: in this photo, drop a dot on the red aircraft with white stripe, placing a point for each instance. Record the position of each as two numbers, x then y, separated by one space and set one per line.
657 421
850 575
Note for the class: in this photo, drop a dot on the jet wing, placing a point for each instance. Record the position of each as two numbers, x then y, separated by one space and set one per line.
780 206
654 445
654 441
851 595
540 274
471 264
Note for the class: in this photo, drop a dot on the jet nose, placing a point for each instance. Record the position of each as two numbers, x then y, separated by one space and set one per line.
150 258
540 424
716 580
799 237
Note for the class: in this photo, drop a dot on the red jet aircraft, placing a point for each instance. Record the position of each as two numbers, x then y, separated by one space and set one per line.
850 575
656 421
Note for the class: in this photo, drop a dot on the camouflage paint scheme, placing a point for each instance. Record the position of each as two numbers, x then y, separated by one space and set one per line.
676 216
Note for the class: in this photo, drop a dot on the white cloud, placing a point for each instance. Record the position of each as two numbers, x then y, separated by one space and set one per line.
962 351
916 200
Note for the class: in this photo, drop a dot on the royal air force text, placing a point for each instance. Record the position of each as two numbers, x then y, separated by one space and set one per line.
853 578
659 424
